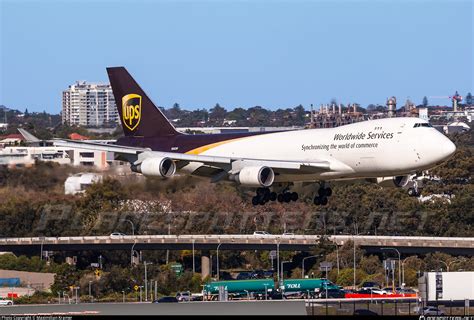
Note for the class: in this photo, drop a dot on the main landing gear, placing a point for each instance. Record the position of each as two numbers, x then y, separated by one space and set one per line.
321 199
264 195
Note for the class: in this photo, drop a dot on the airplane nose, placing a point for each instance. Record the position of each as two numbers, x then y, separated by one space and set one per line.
448 148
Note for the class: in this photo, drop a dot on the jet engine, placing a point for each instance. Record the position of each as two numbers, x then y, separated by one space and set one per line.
398 181
157 167
256 176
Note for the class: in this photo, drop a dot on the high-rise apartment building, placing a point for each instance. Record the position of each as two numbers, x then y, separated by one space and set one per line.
89 104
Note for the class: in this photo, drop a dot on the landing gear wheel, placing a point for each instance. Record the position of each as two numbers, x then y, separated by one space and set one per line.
273 196
328 192
322 192
412 192
266 197
287 197
294 196
324 201
317 201
280 197
255 200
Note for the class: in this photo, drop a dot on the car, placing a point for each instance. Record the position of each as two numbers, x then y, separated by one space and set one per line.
364 312
197 297
288 234
244 276
183 296
166 300
371 291
268 274
117 234
257 274
370 284
276 296
332 293
406 291
431 311
6 302
388 290
261 233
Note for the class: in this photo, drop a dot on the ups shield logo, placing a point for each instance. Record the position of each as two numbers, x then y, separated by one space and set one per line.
131 110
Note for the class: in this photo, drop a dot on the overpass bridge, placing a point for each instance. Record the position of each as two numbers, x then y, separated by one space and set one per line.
372 244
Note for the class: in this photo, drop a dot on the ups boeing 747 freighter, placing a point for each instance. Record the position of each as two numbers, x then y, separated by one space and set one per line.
271 162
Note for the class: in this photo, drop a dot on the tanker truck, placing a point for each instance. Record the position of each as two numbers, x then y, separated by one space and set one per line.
305 288
238 289
255 289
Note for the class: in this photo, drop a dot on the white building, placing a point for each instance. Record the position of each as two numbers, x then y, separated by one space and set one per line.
26 156
80 182
89 104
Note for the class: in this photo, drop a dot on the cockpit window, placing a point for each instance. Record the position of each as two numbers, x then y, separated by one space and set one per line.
424 124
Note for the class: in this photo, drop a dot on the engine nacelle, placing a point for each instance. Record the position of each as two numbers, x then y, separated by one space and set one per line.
157 167
256 176
398 181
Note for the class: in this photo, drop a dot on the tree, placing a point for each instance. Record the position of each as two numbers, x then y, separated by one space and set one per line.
175 111
469 98
425 101
217 113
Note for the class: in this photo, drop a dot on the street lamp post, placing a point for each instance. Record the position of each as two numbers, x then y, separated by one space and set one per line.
194 265
354 262
337 257
403 269
278 263
399 265
41 256
131 253
146 281
282 268
133 226
218 260
302 264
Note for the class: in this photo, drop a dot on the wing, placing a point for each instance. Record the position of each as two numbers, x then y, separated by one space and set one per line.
203 165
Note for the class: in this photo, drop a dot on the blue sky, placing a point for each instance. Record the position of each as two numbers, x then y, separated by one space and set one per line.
276 54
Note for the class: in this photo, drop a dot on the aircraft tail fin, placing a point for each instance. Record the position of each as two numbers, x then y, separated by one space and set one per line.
138 114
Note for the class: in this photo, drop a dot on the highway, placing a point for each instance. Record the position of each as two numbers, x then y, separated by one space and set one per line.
372 244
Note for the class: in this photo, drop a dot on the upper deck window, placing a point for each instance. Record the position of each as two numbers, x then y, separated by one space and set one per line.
424 124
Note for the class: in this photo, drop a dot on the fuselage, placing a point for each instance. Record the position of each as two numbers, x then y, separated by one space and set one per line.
375 148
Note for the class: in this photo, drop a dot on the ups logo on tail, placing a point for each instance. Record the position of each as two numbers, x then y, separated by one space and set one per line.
131 110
